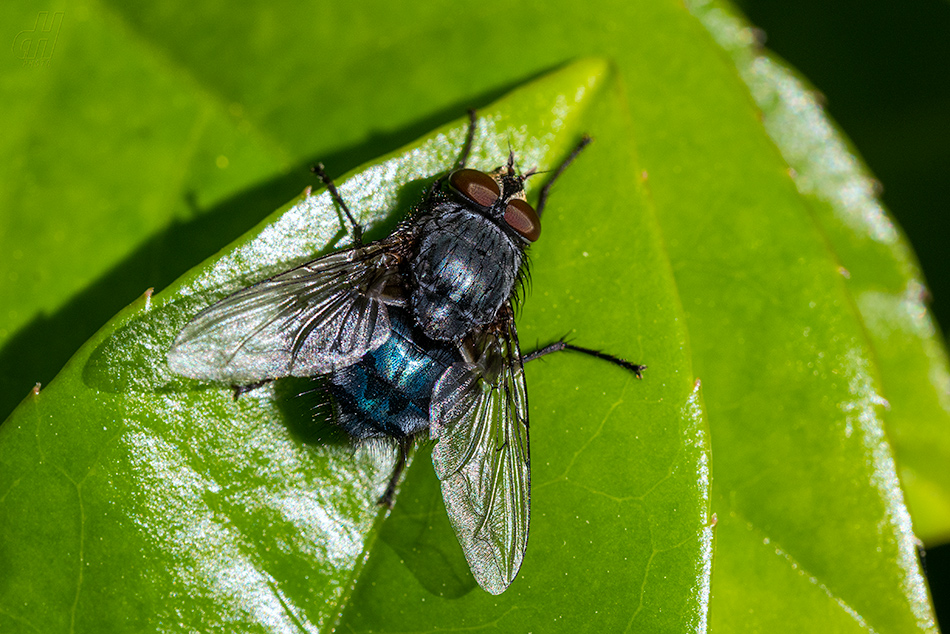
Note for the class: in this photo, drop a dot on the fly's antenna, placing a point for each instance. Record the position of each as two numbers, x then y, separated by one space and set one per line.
543 197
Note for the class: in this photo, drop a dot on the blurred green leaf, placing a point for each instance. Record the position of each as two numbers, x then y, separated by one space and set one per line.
811 522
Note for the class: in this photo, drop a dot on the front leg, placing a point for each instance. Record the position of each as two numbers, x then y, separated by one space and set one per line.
562 344
335 195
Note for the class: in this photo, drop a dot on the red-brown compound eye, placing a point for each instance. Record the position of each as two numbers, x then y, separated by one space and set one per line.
477 186
521 217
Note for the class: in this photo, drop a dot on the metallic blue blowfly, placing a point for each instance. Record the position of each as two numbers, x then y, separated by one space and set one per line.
415 334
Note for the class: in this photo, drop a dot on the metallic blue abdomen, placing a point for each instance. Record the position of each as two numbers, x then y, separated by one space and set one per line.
387 393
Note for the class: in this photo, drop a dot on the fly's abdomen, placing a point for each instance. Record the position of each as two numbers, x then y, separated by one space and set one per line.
387 394
464 270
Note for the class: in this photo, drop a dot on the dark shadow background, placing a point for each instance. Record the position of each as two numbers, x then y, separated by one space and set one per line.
884 68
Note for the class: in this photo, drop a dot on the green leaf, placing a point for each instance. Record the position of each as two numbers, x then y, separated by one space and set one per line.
224 502
785 360
200 119
619 471
880 271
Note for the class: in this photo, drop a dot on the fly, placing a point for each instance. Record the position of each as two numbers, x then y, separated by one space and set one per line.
416 334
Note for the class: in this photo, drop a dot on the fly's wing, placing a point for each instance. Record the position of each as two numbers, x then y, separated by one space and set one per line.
313 319
479 416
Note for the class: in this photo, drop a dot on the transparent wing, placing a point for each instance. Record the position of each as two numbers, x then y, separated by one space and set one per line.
479 417
318 317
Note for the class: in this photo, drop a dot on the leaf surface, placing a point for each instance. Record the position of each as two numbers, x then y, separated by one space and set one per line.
197 127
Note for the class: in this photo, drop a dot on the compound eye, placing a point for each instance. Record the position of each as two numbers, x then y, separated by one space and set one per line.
477 186
521 217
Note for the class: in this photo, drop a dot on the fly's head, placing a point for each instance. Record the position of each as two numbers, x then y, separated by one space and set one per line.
500 197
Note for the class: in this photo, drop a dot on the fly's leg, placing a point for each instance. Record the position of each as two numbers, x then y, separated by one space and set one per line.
543 196
463 157
469 137
335 195
387 498
240 390
558 346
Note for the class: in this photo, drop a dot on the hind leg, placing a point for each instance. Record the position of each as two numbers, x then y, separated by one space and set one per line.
387 498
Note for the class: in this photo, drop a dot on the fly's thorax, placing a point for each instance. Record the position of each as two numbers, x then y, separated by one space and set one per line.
464 269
